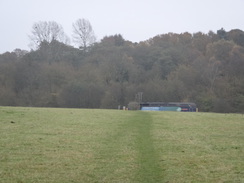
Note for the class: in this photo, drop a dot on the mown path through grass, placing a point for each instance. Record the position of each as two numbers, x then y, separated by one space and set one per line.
149 170
129 153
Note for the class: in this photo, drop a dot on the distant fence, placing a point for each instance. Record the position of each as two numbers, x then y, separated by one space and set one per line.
168 106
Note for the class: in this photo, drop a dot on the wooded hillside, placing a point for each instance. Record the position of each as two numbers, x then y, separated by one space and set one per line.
207 69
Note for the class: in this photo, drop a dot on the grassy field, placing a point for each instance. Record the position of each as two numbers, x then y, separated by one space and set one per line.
81 145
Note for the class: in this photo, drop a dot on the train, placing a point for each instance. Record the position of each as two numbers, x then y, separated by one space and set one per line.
169 106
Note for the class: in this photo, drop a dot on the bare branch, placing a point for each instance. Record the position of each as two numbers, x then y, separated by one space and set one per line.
83 34
47 32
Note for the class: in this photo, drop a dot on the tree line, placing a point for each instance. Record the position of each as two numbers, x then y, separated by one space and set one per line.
207 69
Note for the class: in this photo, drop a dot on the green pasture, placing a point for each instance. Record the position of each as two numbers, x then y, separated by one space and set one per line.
91 145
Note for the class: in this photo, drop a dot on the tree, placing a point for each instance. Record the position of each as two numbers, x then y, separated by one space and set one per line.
28 83
222 33
44 31
115 40
82 95
7 70
83 34
237 36
200 41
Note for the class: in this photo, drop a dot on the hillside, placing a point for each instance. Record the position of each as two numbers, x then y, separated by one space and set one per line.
207 69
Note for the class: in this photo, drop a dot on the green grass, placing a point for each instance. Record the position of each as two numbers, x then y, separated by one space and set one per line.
82 145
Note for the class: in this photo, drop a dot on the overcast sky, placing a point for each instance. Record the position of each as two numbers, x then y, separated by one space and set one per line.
135 20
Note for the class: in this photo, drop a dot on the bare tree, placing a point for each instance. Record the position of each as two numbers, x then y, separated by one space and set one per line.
83 34
47 32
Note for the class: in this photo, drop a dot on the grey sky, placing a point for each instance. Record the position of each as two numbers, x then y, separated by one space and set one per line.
135 20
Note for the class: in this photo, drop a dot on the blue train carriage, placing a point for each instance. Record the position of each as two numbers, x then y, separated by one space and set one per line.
187 107
169 106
